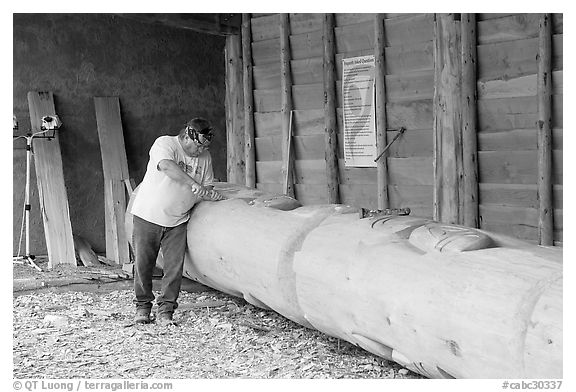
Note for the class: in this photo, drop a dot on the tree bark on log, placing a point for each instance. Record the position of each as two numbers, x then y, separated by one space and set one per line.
442 300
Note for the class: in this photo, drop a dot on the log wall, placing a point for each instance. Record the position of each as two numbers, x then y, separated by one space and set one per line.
507 115
506 110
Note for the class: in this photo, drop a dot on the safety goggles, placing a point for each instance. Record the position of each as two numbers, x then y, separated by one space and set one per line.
201 137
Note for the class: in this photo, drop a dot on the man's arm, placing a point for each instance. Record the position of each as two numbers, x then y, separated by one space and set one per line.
175 172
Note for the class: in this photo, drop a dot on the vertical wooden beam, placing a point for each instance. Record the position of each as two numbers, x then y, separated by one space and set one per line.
544 129
448 172
235 167
469 121
381 123
115 170
287 106
249 143
330 120
50 181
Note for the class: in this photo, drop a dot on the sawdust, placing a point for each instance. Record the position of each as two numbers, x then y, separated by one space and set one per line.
71 334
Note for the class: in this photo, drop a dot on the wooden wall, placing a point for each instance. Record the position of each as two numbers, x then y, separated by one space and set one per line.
507 46
507 114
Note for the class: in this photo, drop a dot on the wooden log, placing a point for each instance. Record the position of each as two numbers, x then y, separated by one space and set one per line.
235 162
115 168
287 107
382 283
447 120
544 126
330 115
249 143
50 181
469 128
380 80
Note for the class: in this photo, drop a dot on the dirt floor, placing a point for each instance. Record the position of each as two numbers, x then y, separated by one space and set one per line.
77 323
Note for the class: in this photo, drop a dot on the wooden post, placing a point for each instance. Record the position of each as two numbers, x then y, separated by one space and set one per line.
544 129
234 113
330 120
249 144
380 76
287 107
469 121
447 120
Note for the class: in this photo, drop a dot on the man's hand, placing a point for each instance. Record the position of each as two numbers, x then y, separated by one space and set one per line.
199 190
216 196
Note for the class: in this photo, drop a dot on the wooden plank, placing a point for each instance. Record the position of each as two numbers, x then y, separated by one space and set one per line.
286 107
413 29
413 115
508 28
308 96
516 195
307 45
269 172
523 86
248 87
330 115
305 97
264 27
354 37
557 23
234 106
544 128
310 171
269 148
304 71
469 122
399 59
381 121
413 86
410 86
493 15
301 23
515 140
311 194
507 113
557 112
51 186
511 59
448 167
515 167
306 122
115 168
266 51
342 19
401 171
269 100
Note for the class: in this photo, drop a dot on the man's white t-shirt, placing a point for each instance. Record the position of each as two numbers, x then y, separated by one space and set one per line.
160 199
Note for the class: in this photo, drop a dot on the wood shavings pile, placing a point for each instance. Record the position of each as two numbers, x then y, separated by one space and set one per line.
91 335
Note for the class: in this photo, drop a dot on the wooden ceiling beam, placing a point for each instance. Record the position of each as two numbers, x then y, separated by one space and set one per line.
216 24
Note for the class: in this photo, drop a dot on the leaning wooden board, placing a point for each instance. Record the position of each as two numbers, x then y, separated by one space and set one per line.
51 187
442 300
115 168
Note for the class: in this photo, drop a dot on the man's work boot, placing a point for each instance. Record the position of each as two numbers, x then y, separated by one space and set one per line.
165 319
142 316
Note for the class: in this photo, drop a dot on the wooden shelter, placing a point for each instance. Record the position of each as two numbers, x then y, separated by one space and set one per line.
480 97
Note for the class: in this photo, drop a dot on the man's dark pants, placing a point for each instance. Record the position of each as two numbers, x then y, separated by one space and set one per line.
147 239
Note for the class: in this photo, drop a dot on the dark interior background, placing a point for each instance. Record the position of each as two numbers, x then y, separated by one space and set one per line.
163 75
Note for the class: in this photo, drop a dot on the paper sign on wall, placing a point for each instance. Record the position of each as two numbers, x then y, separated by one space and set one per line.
359 113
